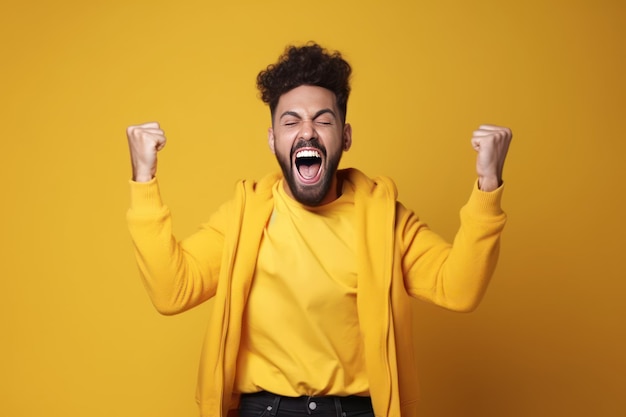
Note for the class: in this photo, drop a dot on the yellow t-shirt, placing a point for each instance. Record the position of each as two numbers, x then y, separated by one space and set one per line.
301 331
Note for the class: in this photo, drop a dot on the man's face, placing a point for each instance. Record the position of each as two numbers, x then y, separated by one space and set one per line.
308 138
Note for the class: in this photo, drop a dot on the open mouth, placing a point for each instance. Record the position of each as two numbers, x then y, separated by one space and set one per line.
309 165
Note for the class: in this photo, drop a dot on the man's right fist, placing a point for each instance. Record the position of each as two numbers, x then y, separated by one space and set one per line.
144 141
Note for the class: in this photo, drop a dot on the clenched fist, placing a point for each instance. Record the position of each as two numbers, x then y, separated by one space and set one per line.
491 143
144 141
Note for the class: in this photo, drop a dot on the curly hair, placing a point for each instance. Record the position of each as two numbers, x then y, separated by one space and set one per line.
306 65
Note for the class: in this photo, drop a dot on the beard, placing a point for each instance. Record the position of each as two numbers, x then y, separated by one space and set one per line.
310 194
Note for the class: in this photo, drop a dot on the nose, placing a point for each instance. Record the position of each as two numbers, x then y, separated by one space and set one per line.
308 131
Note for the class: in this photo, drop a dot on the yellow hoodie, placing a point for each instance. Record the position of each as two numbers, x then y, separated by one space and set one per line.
398 256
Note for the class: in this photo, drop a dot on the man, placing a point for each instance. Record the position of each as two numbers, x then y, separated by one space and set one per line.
312 269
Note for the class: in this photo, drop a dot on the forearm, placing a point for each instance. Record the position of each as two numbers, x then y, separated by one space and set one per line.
455 276
176 275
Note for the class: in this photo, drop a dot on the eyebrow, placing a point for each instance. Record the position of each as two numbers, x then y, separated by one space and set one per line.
315 116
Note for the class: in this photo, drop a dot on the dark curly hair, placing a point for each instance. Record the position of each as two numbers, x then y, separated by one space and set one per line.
306 65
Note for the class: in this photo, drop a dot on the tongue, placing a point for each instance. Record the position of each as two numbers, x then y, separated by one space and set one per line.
309 171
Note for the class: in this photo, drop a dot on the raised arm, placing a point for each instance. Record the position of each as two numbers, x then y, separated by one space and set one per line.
178 275
455 276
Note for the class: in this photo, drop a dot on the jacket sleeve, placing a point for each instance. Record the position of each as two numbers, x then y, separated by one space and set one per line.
178 275
454 276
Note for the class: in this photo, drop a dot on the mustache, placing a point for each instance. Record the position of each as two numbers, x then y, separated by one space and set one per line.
312 143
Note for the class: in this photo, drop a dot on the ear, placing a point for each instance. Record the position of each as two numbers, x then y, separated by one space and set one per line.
270 140
347 137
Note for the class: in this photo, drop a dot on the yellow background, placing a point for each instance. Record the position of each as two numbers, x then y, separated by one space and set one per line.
79 336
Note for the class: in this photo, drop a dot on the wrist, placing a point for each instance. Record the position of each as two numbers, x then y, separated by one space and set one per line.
488 184
142 176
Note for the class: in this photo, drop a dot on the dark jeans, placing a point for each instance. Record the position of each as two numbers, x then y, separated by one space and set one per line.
265 404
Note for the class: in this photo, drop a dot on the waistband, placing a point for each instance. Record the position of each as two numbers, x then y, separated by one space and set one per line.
311 404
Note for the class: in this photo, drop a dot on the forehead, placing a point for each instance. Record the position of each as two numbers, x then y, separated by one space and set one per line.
306 99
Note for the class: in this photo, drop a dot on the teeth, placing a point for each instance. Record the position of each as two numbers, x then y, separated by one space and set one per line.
308 154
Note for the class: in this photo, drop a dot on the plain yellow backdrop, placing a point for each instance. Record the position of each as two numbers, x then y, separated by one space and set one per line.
79 336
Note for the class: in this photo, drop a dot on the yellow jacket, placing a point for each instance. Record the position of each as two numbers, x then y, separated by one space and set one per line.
398 256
